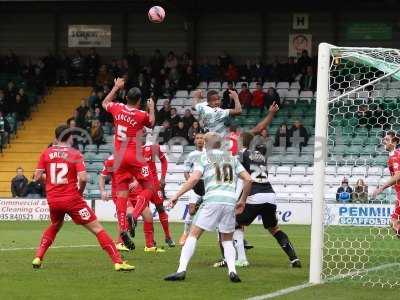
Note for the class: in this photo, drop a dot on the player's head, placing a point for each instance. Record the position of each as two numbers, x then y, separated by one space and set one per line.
246 138
63 134
199 140
20 171
134 96
390 141
261 148
213 99
212 140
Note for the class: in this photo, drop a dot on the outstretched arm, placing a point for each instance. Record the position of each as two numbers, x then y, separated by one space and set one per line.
118 84
267 120
187 186
197 98
393 180
238 107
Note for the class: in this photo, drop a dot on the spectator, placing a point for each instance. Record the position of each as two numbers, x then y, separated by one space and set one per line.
175 118
114 69
289 70
185 60
232 73
171 62
81 112
96 99
35 189
193 130
3 102
219 70
188 119
77 66
205 71
258 71
164 113
308 81
10 95
92 63
156 62
100 114
258 100
227 101
360 193
272 96
63 69
103 77
134 63
179 130
49 68
246 71
298 135
72 126
165 133
5 131
21 108
97 133
188 81
19 184
304 60
364 116
282 138
234 135
344 192
225 59
143 85
263 139
245 97
173 78
155 88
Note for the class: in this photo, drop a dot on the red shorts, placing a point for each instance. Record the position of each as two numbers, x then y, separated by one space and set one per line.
78 210
130 167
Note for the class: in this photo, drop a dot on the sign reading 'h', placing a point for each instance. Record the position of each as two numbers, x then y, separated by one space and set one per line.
300 21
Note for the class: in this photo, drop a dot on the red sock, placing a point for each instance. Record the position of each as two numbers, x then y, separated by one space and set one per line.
108 245
142 201
121 213
148 231
47 239
163 216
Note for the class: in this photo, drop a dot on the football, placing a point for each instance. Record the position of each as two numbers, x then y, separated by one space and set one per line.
156 14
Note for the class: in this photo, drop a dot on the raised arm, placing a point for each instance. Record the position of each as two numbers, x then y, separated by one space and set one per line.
237 110
267 120
118 84
393 180
197 98
152 115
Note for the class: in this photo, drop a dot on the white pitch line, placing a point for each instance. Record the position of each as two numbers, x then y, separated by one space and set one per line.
307 285
53 247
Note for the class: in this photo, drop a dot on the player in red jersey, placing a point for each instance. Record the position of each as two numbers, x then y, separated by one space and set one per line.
150 152
391 141
134 191
129 122
65 182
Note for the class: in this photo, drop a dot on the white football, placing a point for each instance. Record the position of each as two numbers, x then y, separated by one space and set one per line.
156 14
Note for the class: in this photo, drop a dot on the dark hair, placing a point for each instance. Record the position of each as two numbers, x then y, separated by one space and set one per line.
247 137
244 85
395 137
133 96
63 133
69 121
233 127
19 168
210 94
230 82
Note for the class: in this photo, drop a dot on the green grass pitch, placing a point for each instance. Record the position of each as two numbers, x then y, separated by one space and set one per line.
87 273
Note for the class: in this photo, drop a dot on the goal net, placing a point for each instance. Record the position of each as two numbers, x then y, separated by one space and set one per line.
357 101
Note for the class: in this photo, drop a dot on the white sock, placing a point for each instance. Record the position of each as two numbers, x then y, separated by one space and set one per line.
230 254
187 253
239 244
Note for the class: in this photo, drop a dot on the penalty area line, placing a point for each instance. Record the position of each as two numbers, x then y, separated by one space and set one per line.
334 278
53 247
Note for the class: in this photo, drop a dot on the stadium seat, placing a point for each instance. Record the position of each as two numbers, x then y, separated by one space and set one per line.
282 93
330 170
182 94
374 171
282 197
91 148
298 170
95 167
360 171
295 85
309 171
177 102
306 96
275 159
332 180
282 85
297 197
373 180
292 96
100 157
344 171
279 188
202 85
291 159
268 85
88 156
271 170
107 148
214 85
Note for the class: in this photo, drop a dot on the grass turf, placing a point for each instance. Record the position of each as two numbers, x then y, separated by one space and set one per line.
87 273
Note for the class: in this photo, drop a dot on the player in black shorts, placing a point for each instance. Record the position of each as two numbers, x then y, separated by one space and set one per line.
261 201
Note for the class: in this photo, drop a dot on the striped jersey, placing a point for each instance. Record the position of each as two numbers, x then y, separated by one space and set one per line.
213 118
190 160
220 172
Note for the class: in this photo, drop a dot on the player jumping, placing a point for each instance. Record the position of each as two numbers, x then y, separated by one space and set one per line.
65 171
197 193
129 122
391 141
219 171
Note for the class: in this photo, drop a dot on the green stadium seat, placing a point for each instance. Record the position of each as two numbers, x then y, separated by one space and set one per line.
95 167
94 194
361 131
276 159
358 140
91 148
100 157
88 156
107 148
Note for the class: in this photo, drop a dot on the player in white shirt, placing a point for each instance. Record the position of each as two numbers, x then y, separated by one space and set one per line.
212 115
219 171
197 193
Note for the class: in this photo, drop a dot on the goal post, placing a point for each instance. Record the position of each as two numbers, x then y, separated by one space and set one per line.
358 99
320 150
